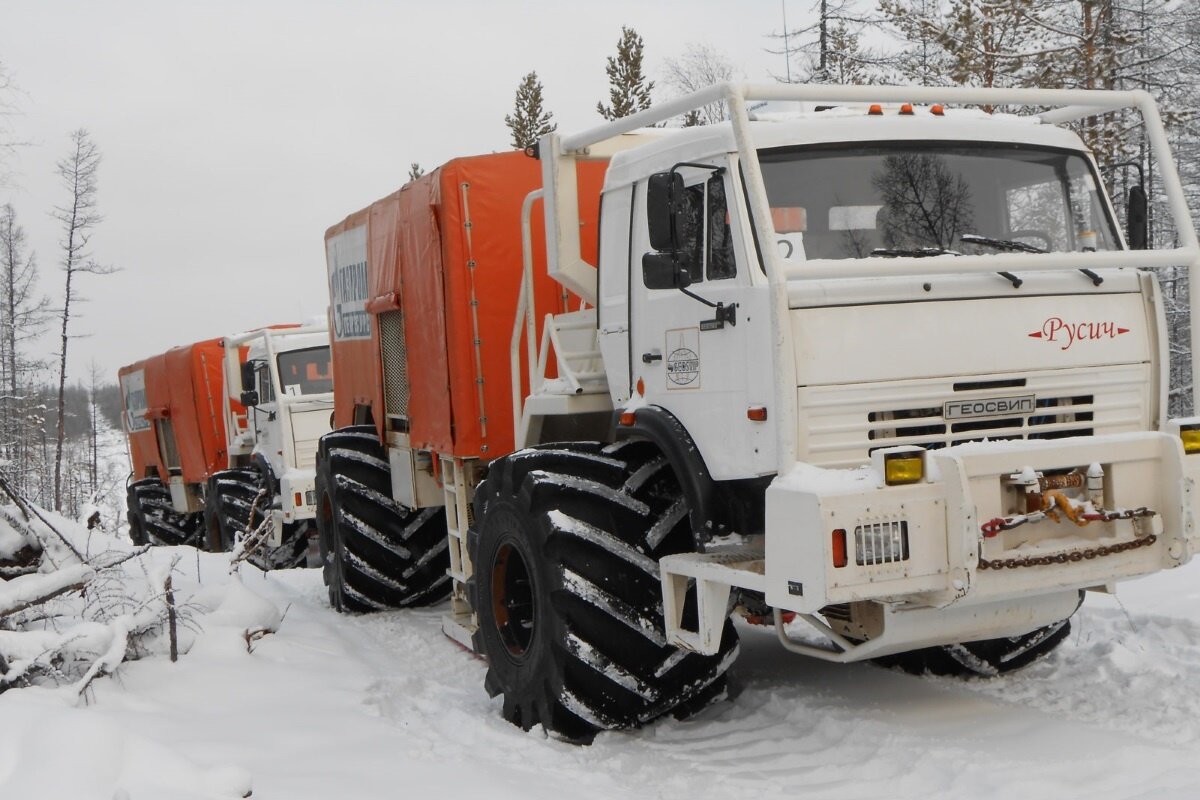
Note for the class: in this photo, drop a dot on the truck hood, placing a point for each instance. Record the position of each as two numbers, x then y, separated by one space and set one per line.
944 372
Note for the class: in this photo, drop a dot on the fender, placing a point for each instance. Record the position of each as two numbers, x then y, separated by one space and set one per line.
657 425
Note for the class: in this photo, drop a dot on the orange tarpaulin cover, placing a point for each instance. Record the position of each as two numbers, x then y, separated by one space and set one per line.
446 250
180 390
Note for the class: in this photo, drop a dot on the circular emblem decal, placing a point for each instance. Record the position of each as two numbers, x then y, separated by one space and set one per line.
683 366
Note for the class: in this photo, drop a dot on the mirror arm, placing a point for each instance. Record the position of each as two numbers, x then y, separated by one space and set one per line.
695 296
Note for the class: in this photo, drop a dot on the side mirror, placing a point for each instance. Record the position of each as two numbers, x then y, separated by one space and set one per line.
664 196
661 271
1138 230
248 375
249 398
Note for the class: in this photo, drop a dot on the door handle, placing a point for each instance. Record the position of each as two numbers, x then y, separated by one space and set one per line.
651 357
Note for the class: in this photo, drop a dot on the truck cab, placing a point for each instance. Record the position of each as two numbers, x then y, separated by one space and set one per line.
283 380
915 339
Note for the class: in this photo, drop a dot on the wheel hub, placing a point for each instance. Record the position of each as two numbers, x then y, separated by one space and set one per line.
513 606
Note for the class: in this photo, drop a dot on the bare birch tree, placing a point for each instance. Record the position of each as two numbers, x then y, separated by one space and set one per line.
701 65
22 317
79 173
8 138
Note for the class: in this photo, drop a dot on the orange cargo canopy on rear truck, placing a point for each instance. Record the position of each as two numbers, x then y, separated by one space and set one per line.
172 412
423 297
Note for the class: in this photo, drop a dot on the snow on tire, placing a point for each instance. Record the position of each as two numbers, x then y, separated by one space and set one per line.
565 546
376 553
153 520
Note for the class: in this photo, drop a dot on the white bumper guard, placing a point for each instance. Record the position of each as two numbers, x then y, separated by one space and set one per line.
996 539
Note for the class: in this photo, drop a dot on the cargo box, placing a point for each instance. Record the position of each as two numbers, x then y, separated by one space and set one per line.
423 295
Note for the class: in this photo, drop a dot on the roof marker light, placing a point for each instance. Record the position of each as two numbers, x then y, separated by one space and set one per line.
937 110
875 110
906 110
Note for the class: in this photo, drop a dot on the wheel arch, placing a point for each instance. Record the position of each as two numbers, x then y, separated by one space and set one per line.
661 428
716 507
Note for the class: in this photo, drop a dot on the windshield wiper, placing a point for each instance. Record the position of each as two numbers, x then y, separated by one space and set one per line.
1000 244
1019 247
920 252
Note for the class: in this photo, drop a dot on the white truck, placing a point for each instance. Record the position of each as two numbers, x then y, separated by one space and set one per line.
277 405
888 376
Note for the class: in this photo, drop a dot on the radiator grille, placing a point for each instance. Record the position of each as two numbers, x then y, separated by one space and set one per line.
840 425
395 363
1051 418
881 543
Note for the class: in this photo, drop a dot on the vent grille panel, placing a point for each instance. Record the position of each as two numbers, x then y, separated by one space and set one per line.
395 363
841 425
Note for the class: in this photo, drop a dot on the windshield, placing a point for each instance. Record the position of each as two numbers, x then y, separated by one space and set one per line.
901 197
305 371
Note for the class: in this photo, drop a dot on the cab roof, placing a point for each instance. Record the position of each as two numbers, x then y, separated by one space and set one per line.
844 124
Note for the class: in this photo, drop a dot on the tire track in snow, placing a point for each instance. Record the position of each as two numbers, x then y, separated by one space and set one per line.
1109 715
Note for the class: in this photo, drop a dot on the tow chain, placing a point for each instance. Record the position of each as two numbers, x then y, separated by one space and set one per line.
994 527
1063 558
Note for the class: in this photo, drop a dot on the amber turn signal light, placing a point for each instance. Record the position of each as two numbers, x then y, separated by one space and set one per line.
1190 436
839 548
628 418
902 468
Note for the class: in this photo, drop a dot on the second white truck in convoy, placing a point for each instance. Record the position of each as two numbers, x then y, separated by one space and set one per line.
277 405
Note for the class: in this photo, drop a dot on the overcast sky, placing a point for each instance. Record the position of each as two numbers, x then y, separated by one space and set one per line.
234 133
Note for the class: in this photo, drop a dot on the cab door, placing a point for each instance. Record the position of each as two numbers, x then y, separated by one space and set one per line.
612 313
703 354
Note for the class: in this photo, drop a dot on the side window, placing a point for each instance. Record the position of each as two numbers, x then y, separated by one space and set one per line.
266 392
691 232
720 242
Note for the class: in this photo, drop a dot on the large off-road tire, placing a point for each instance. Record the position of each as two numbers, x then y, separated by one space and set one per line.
565 546
153 520
375 553
233 507
986 658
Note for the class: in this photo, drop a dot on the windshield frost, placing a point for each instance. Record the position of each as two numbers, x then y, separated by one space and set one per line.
910 197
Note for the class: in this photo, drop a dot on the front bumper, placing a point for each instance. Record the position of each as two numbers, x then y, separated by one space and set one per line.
298 484
921 545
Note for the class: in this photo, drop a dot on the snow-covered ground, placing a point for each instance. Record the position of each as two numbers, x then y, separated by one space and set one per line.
385 706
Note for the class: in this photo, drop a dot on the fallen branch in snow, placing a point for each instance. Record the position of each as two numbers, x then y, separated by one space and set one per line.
110 659
66 619
27 591
252 635
254 540
26 508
